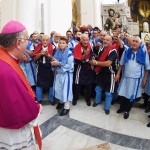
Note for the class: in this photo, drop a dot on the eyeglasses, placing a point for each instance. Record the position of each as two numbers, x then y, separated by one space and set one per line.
57 36
26 39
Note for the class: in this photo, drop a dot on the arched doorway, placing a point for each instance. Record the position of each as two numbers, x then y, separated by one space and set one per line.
76 15
140 11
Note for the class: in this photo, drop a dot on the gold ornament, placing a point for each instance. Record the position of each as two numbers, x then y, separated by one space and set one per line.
144 8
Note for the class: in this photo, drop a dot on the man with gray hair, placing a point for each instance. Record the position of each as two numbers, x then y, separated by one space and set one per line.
134 65
84 76
18 109
55 41
105 68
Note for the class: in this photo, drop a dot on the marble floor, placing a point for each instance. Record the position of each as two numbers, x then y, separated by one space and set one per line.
87 126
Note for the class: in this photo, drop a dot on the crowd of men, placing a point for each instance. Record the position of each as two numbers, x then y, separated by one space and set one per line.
107 66
89 62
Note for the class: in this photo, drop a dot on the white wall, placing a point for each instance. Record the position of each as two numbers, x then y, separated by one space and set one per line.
91 12
60 15
57 14
26 14
87 12
8 11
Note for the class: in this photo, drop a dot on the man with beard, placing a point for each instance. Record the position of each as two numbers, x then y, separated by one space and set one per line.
56 38
105 68
75 41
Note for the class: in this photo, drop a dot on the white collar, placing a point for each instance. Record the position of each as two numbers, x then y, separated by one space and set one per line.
44 48
12 56
56 44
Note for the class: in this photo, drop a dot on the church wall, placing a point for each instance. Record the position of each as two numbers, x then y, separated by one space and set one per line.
60 15
57 14
86 12
91 12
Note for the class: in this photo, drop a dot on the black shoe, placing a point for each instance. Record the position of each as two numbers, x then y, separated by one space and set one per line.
88 103
60 106
126 115
119 111
95 104
147 110
52 103
40 102
74 102
64 112
107 112
143 105
148 125
113 102
148 116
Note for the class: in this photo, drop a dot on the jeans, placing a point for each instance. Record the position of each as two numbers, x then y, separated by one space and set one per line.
39 94
108 97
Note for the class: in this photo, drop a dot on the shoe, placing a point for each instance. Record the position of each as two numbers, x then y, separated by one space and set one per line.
52 103
126 115
142 105
60 106
148 116
64 112
74 102
147 110
88 103
107 112
148 125
119 111
40 102
113 102
95 104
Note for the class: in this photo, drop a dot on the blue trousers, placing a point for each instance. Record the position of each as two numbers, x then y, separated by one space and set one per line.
39 94
108 97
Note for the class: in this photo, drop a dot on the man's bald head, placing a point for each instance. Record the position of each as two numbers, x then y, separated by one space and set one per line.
45 40
108 37
84 36
137 38
56 37
136 42
84 40
107 41
102 35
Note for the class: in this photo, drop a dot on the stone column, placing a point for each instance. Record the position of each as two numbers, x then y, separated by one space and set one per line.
86 12
97 13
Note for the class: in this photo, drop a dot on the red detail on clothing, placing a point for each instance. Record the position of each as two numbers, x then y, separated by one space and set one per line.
4 56
103 57
39 48
78 51
116 46
38 137
8 59
84 29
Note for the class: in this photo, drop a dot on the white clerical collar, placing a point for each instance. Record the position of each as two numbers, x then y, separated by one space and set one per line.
12 56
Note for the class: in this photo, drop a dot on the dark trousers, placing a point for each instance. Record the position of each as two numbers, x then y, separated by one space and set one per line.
78 90
125 104
146 99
